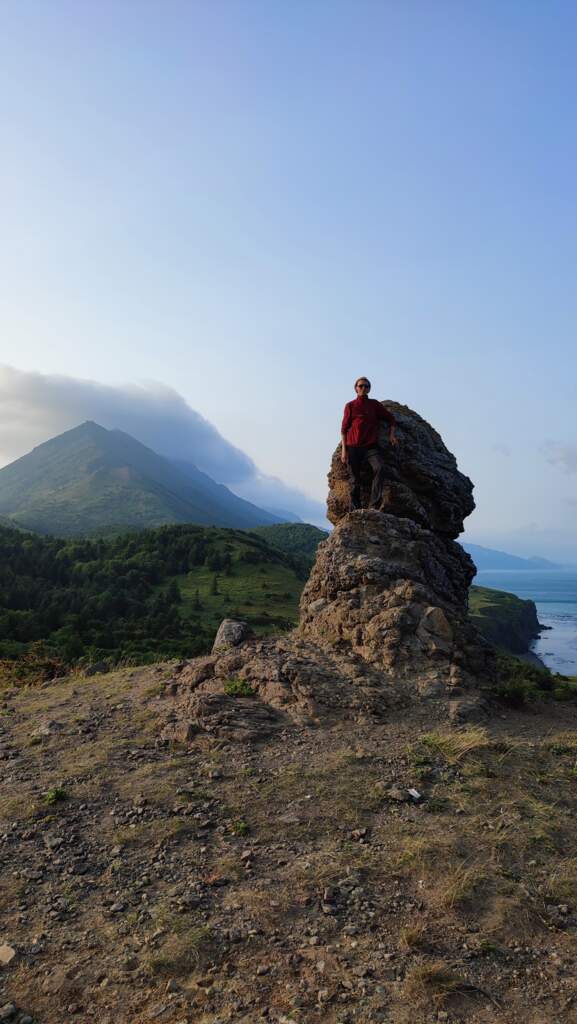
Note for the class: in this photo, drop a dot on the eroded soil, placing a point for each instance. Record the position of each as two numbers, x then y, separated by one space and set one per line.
293 880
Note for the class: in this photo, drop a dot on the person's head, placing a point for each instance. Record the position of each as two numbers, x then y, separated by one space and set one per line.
362 386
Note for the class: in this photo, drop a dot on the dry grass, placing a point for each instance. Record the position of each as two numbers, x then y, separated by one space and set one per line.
454 746
182 950
429 985
414 937
562 881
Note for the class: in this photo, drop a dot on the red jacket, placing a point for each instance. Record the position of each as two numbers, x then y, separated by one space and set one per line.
361 421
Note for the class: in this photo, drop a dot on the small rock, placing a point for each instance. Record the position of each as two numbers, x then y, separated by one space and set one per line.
96 668
49 728
397 794
8 1011
7 954
359 833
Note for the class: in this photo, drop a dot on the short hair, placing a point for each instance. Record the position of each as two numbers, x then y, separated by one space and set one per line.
362 378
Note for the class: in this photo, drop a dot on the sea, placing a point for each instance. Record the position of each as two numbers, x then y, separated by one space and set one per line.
555 595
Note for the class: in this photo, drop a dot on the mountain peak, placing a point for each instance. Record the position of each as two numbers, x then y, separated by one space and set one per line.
93 480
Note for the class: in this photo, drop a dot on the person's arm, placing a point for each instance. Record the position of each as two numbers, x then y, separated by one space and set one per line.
344 427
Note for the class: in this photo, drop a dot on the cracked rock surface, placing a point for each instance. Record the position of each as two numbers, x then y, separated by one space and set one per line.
383 616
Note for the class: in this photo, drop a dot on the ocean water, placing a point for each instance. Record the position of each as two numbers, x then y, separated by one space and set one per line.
555 594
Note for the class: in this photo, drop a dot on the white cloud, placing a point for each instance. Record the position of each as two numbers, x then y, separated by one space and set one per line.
35 407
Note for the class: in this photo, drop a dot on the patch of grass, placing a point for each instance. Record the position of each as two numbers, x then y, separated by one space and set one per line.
238 688
519 683
413 937
563 744
17 808
562 881
429 985
56 795
454 746
182 950
459 885
240 828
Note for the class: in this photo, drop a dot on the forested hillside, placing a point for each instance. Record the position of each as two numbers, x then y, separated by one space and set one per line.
300 540
162 593
159 592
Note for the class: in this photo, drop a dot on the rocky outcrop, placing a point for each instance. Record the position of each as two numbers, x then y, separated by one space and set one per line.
504 620
396 595
422 480
383 617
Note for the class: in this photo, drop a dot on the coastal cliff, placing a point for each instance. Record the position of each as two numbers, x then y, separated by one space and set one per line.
505 620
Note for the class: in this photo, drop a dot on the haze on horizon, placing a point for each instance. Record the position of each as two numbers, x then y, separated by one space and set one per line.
250 204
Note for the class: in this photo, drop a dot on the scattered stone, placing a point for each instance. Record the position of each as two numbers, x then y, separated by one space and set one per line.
230 633
397 794
96 668
7 954
49 728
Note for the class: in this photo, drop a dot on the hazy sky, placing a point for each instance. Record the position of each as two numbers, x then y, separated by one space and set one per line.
252 202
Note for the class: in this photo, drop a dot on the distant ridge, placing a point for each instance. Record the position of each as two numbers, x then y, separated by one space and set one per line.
89 480
488 558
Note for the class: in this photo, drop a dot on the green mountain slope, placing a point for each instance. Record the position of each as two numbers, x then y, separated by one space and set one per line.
91 480
140 595
300 540
163 593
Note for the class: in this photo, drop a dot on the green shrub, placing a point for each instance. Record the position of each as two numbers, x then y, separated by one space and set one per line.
518 682
55 796
238 688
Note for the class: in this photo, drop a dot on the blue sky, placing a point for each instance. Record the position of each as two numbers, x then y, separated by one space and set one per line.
254 202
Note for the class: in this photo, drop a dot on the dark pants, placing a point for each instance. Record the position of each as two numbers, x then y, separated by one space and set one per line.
357 458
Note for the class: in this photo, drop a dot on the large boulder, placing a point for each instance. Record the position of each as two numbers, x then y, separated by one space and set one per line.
383 617
422 479
396 595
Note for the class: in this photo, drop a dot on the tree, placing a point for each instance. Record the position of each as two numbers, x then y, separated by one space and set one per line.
214 585
173 592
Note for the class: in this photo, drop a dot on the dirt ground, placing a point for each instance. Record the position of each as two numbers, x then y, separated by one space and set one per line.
294 880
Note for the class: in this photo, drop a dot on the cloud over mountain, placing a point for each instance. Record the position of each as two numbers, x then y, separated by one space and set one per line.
36 406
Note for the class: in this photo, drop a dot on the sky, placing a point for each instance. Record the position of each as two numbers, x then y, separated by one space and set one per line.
245 205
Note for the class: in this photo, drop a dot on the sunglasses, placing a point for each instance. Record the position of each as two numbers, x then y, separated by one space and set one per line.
363 386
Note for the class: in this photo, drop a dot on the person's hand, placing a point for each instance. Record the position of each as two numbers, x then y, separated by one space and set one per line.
344 456
394 441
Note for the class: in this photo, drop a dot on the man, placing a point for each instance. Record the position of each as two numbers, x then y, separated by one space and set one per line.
360 441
